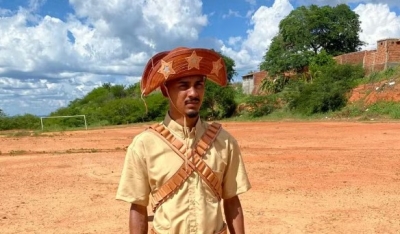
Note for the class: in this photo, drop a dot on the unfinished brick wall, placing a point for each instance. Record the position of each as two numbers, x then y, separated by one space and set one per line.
394 52
386 55
258 77
351 58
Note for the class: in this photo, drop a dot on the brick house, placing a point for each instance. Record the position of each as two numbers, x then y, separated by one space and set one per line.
385 56
252 82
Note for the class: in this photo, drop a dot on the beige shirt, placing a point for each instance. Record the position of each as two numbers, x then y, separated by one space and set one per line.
150 162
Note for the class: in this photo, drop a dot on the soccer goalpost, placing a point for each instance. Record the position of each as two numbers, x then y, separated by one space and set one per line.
65 116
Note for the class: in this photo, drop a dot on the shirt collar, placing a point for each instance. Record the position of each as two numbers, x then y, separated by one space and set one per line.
177 129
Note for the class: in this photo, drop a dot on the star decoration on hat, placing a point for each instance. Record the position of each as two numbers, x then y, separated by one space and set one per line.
217 66
193 61
166 69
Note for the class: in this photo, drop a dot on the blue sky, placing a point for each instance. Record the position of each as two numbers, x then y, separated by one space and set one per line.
54 51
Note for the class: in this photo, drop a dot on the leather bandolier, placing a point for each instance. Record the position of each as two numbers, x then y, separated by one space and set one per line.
192 163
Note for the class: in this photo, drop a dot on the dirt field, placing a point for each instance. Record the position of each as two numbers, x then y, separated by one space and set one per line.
307 177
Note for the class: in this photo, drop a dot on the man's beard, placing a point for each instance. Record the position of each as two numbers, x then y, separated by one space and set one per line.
192 114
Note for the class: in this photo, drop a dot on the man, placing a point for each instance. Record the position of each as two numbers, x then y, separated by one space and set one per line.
184 165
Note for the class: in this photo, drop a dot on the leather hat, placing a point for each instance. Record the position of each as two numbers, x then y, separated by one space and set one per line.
182 62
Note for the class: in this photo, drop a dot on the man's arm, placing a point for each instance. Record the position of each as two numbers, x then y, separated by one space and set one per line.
138 219
234 215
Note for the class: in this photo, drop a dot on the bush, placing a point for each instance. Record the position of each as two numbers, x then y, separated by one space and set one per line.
387 109
276 85
219 102
326 93
157 107
257 106
26 121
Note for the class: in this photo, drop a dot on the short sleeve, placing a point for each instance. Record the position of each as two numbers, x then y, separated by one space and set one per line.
134 184
235 180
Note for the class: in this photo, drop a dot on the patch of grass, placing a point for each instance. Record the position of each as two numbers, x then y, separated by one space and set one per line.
81 150
20 133
101 123
350 111
17 152
379 110
283 115
391 73
385 109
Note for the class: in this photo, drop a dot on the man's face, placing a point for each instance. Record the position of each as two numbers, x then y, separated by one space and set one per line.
186 95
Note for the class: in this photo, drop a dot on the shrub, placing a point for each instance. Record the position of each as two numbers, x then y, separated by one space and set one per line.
328 92
258 106
219 102
388 109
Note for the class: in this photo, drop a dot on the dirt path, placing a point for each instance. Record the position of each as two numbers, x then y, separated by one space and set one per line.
307 177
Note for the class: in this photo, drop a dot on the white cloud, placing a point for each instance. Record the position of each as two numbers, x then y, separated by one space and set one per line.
265 23
36 4
249 13
52 59
234 41
377 22
170 22
252 2
231 13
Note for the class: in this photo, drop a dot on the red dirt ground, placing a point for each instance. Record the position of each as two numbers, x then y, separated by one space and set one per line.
307 177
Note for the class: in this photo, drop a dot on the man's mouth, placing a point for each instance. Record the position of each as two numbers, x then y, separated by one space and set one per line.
192 102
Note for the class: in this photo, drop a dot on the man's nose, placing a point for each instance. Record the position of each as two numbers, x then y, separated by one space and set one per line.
192 92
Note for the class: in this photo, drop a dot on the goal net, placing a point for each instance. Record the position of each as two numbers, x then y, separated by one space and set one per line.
66 116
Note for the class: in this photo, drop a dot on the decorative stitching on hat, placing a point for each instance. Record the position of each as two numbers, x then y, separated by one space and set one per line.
217 66
166 69
193 61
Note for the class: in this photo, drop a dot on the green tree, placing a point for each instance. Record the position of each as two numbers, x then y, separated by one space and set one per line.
118 91
230 67
220 102
2 113
133 90
308 30
97 96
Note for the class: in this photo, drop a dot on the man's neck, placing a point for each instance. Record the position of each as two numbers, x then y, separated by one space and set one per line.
190 122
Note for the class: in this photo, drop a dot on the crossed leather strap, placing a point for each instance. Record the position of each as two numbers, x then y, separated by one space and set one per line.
194 162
